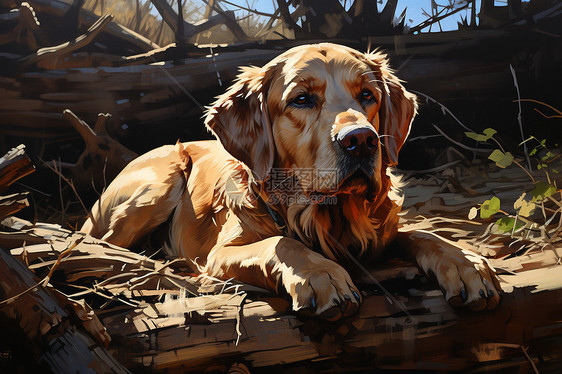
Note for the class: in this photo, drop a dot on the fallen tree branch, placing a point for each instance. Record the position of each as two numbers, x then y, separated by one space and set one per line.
436 19
103 157
60 8
189 30
24 31
230 21
65 48
254 11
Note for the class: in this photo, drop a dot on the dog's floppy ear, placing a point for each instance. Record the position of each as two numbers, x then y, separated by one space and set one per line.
398 106
240 120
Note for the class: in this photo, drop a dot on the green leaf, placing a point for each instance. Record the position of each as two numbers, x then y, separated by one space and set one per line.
506 224
547 156
506 161
477 137
489 132
496 155
533 151
472 213
489 208
539 167
524 207
501 159
542 190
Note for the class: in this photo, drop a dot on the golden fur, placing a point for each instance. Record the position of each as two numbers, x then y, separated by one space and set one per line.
287 115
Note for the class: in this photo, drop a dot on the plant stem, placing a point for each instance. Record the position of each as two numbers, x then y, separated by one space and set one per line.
519 115
525 170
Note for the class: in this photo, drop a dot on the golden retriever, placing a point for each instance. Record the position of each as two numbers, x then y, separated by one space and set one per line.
297 183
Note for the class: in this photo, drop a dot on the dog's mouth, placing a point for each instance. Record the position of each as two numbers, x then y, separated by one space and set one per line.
357 183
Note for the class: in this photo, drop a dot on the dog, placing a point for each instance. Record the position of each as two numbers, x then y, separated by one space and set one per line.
297 184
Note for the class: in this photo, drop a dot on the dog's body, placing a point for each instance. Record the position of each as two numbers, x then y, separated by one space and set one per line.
298 182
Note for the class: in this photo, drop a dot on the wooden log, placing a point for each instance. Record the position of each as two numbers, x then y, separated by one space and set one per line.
399 327
159 54
56 341
119 91
14 165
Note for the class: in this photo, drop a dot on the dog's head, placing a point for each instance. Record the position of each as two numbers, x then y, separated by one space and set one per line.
332 115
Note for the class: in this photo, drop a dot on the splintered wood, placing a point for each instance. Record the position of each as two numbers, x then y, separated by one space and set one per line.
160 317
14 165
45 318
155 314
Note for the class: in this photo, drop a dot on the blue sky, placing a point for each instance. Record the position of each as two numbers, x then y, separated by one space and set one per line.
414 12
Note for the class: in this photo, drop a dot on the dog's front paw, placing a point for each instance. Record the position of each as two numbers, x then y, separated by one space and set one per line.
466 278
322 288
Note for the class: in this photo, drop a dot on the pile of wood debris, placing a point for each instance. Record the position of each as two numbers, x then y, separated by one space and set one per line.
84 303
56 55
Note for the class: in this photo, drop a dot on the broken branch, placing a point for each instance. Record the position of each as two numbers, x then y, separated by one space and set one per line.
65 48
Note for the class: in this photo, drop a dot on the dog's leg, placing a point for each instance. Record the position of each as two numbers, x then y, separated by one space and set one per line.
316 284
139 215
465 277
140 198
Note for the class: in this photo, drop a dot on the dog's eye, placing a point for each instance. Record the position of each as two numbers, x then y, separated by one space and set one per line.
366 97
303 101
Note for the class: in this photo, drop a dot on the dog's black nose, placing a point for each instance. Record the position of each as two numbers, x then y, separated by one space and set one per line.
358 141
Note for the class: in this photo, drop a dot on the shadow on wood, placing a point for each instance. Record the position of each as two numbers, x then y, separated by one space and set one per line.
161 318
